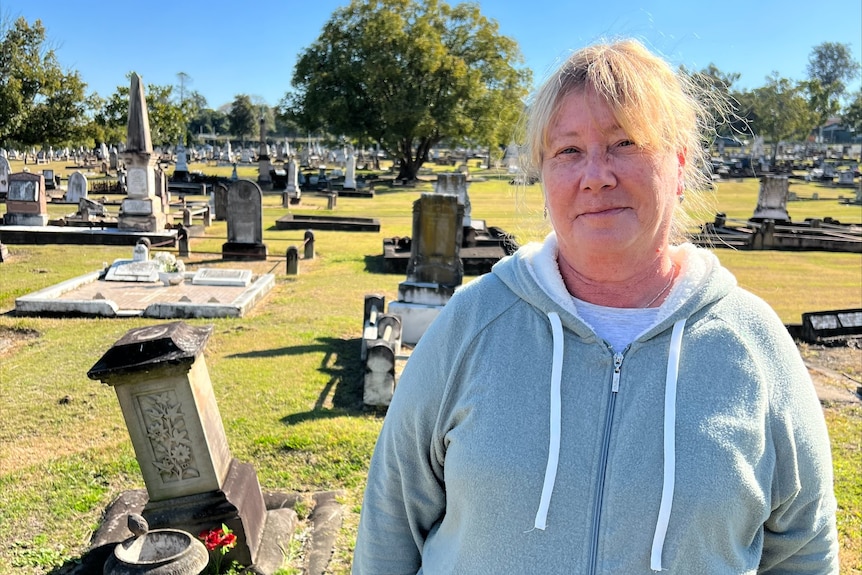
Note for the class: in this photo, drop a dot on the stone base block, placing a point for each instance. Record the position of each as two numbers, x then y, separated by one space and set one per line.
415 319
138 223
25 219
236 251
238 504
424 293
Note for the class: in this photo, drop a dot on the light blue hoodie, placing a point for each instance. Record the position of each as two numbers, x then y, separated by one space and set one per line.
517 442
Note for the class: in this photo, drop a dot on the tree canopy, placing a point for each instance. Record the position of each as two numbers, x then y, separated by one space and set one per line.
407 75
779 111
40 103
167 120
242 117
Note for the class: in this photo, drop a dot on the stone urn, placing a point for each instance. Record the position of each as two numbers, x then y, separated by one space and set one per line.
157 552
171 278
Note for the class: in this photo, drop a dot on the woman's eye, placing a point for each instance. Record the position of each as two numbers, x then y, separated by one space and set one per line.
625 143
569 151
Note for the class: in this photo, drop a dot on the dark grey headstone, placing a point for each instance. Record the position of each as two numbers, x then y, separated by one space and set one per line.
245 213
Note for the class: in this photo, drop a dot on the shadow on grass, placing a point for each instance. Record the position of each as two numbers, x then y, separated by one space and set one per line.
341 362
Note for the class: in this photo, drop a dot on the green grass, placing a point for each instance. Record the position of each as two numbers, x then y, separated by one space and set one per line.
288 377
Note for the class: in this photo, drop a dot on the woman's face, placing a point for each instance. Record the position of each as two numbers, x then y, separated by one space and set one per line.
603 192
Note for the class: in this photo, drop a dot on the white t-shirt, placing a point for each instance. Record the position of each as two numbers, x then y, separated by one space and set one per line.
617 326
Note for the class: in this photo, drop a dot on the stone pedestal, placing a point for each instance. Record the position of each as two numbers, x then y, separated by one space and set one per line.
164 390
435 268
143 209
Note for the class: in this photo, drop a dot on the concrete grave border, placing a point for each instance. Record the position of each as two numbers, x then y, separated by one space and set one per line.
47 301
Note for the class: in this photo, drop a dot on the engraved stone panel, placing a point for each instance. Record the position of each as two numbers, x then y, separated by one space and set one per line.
222 277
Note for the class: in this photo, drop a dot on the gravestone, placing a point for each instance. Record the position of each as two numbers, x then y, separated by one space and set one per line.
76 188
181 168
435 268
133 271
26 204
350 172
293 193
5 171
456 184
221 277
772 199
142 209
263 163
193 483
220 201
244 223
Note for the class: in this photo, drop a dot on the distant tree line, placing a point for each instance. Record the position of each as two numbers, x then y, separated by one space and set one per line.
405 75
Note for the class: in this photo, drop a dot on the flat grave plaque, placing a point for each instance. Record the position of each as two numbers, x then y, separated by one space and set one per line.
133 271
221 277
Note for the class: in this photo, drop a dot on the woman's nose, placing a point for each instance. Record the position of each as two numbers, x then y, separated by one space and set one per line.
598 173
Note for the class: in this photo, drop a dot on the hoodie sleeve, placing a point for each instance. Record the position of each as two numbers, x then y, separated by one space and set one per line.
404 496
800 534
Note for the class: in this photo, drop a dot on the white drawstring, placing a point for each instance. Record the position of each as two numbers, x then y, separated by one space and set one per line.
669 445
556 409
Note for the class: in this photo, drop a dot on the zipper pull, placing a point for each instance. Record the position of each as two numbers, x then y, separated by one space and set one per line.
618 364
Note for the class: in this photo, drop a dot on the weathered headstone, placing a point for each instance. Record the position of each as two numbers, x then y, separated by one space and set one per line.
293 193
220 201
5 171
456 184
76 188
350 171
244 223
772 199
142 209
181 168
435 268
264 165
26 204
193 483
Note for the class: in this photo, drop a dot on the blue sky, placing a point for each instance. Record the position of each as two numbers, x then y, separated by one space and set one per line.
251 47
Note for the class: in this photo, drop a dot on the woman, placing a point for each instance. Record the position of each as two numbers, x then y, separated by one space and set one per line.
607 401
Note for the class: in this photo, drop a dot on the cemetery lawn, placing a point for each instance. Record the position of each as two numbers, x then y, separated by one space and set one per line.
288 378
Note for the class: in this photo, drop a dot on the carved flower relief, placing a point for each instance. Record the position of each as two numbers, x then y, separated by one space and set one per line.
169 439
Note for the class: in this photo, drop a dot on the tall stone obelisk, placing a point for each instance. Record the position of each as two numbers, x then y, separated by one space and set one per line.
142 209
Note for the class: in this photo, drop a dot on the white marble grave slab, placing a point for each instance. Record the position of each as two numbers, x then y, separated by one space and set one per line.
133 271
221 277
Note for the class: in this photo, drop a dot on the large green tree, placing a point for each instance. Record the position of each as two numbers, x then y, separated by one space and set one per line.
408 74
831 66
243 117
40 103
779 111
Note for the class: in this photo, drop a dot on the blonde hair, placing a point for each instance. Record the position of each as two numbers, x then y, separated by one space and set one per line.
658 108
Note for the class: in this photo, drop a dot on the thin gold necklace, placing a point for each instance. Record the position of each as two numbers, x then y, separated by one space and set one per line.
667 285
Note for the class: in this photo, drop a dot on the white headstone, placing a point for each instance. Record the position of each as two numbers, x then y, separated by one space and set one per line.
77 187
5 170
350 176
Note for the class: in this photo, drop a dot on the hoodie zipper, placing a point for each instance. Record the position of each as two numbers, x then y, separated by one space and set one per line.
615 387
